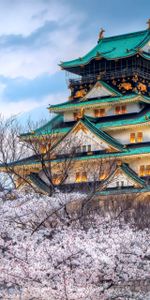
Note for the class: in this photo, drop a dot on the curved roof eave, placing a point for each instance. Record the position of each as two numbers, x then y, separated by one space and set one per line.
142 38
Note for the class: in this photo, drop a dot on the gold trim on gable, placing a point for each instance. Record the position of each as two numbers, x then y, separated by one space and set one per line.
80 127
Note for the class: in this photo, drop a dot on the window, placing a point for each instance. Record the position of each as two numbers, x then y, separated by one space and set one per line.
120 110
124 109
117 110
140 137
148 170
136 137
100 112
132 137
122 183
84 176
81 177
144 170
89 148
78 177
117 184
83 148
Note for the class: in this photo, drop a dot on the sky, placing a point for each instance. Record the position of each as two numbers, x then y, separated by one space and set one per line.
35 35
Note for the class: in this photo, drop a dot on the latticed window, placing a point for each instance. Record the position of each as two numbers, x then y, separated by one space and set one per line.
118 184
81 177
120 109
140 137
84 176
136 137
100 112
132 137
142 170
78 179
84 148
147 170
89 148
124 109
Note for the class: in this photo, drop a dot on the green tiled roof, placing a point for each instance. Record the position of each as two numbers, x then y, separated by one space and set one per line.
46 128
62 128
31 159
121 191
37 181
92 103
98 132
113 48
102 135
125 122
125 153
127 170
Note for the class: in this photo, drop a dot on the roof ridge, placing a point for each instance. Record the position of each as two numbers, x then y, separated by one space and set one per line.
110 48
125 34
87 101
99 131
50 122
125 167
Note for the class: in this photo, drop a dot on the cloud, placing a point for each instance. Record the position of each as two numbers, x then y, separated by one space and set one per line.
28 52
24 17
36 34
37 88
28 104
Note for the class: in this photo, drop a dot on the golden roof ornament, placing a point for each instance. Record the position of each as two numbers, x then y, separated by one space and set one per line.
101 34
148 22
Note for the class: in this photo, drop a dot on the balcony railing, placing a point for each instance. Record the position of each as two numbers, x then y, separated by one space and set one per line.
108 75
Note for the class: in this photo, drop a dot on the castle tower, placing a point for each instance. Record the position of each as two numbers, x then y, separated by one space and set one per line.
106 120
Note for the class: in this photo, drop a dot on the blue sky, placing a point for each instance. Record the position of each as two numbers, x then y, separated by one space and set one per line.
35 35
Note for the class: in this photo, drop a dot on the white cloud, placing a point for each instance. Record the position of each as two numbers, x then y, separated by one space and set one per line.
24 17
62 43
30 63
27 105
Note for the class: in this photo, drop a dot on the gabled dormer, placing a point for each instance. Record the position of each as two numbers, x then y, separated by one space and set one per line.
99 90
123 177
85 137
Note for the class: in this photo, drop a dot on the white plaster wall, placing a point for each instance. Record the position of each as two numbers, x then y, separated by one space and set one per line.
68 117
140 161
91 112
130 107
74 140
120 178
91 170
123 135
110 111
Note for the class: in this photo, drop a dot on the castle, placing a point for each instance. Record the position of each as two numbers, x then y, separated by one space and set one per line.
102 133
